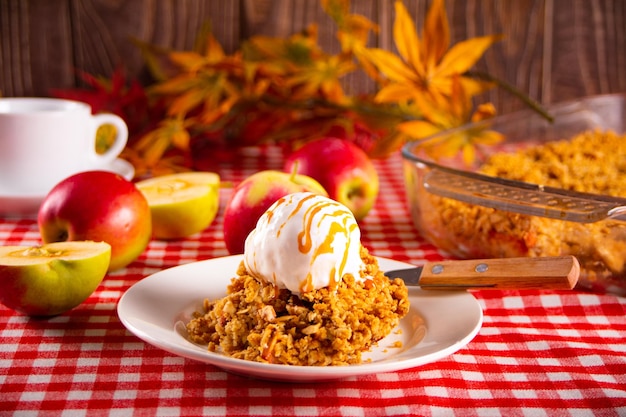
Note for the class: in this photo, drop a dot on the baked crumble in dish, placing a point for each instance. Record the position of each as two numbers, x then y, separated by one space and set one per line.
593 161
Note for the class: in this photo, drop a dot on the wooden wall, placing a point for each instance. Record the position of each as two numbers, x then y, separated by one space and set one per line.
552 50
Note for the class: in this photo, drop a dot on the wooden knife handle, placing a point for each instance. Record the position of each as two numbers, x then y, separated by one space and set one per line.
557 273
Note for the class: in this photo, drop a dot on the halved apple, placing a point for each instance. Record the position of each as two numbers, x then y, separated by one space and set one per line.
181 204
51 279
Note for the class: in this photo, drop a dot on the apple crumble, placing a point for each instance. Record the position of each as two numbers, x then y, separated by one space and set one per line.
258 321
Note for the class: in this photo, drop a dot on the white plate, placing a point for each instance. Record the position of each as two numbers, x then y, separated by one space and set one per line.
27 205
438 323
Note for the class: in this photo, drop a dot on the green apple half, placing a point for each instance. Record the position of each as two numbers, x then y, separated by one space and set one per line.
181 204
51 279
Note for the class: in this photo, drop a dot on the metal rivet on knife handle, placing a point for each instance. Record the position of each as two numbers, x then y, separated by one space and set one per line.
437 269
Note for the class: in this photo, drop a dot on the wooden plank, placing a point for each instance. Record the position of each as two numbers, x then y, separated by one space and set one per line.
552 49
36 46
104 29
589 48
517 59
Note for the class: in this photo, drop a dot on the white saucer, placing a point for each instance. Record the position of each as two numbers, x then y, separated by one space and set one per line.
24 205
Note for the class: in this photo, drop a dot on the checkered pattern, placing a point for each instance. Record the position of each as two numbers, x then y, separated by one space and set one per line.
538 353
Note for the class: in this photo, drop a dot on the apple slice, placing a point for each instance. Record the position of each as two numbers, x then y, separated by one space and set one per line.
181 204
51 279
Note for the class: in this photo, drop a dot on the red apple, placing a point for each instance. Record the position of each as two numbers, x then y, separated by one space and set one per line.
344 170
253 196
98 206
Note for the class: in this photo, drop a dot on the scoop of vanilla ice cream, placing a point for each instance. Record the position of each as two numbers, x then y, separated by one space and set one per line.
304 242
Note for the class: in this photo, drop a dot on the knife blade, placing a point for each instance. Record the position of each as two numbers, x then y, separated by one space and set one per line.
550 272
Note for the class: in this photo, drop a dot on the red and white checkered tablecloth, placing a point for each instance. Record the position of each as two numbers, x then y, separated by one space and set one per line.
537 354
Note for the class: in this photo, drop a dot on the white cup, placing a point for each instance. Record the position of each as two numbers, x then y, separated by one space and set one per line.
44 140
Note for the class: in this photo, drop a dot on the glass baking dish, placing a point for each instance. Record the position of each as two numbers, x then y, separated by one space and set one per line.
470 214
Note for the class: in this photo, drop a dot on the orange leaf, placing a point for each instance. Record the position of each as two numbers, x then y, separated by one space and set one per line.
460 104
462 56
190 61
186 102
367 65
354 37
353 29
214 51
390 65
337 9
473 87
395 93
176 85
405 36
469 153
436 33
435 109
418 129
180 139
156 150
490 137
484 111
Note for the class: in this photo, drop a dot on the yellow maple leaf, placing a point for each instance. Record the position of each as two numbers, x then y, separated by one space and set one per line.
458 112
163 166
322 76
171 132
424 68
298 68
283 53
203 83
352 29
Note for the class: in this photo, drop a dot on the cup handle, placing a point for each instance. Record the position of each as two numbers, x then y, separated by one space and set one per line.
120 140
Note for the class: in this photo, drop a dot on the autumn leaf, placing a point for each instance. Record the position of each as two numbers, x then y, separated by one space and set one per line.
353 30
290 89
166 164
297 50
424 68
203 88
321 78
172 132
116 95
457 113
431 76
297 67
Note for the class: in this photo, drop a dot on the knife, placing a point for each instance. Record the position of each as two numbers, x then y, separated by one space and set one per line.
550 272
